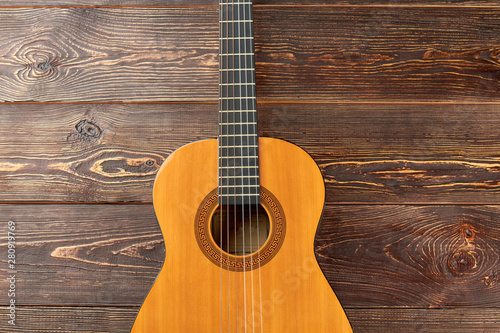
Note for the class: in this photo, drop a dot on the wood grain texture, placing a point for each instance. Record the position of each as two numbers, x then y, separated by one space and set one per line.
367 153
184 3
78 54
322 53
390 264
63 319
428 246
419 125
83 255
412 256
383 320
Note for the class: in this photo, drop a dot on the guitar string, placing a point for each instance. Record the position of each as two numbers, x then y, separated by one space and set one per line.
237 35
226 193
234 156
221 145
255 145
247 108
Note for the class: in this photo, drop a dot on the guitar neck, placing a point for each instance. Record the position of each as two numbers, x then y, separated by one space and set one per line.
238 143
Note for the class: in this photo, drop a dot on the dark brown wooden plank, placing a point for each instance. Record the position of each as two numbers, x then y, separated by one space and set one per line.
118 320
373 255
86 54
83 255
370 53
412 256
367 153
159 3
303 53
41 319
424 320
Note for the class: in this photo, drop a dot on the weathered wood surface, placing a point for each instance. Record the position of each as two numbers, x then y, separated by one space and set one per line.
205 3
368 153
117 320
398 102
383 320
412 256
83 255
62 319
447 255
322 53
397 260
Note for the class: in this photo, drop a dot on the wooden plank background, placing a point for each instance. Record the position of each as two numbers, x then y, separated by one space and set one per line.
398 102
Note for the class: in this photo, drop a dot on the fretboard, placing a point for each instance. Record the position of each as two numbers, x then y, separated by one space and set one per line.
238 144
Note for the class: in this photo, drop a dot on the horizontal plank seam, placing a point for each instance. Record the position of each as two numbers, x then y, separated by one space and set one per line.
90 306
392 5
75 306
67 203
421 308
146 203
259 102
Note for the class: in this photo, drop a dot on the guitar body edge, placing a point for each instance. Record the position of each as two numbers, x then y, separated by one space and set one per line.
192 294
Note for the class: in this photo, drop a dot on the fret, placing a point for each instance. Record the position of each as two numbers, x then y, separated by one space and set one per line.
238 111
237 117
242 172
236 97
237 69
237 54
230 45
235 29
238 161
238 124
244 186
237 92
236 21
240 167
225 152
235 189
239 198
243 148
230 2
237 135
230 195
235 105
231 61
238 84
237 131
235 38
239 180
237 75
236 157
236 140
240 147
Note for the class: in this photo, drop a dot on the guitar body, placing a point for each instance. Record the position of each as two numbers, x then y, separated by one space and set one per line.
192 294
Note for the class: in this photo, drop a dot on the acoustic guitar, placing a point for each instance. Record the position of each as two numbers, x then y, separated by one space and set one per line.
239 216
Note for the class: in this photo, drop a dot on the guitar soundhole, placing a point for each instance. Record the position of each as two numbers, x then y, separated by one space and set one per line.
240 229
231 237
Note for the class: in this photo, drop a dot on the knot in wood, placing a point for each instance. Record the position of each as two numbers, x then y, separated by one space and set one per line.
88 129
462 262
44 66
468 231
490 280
